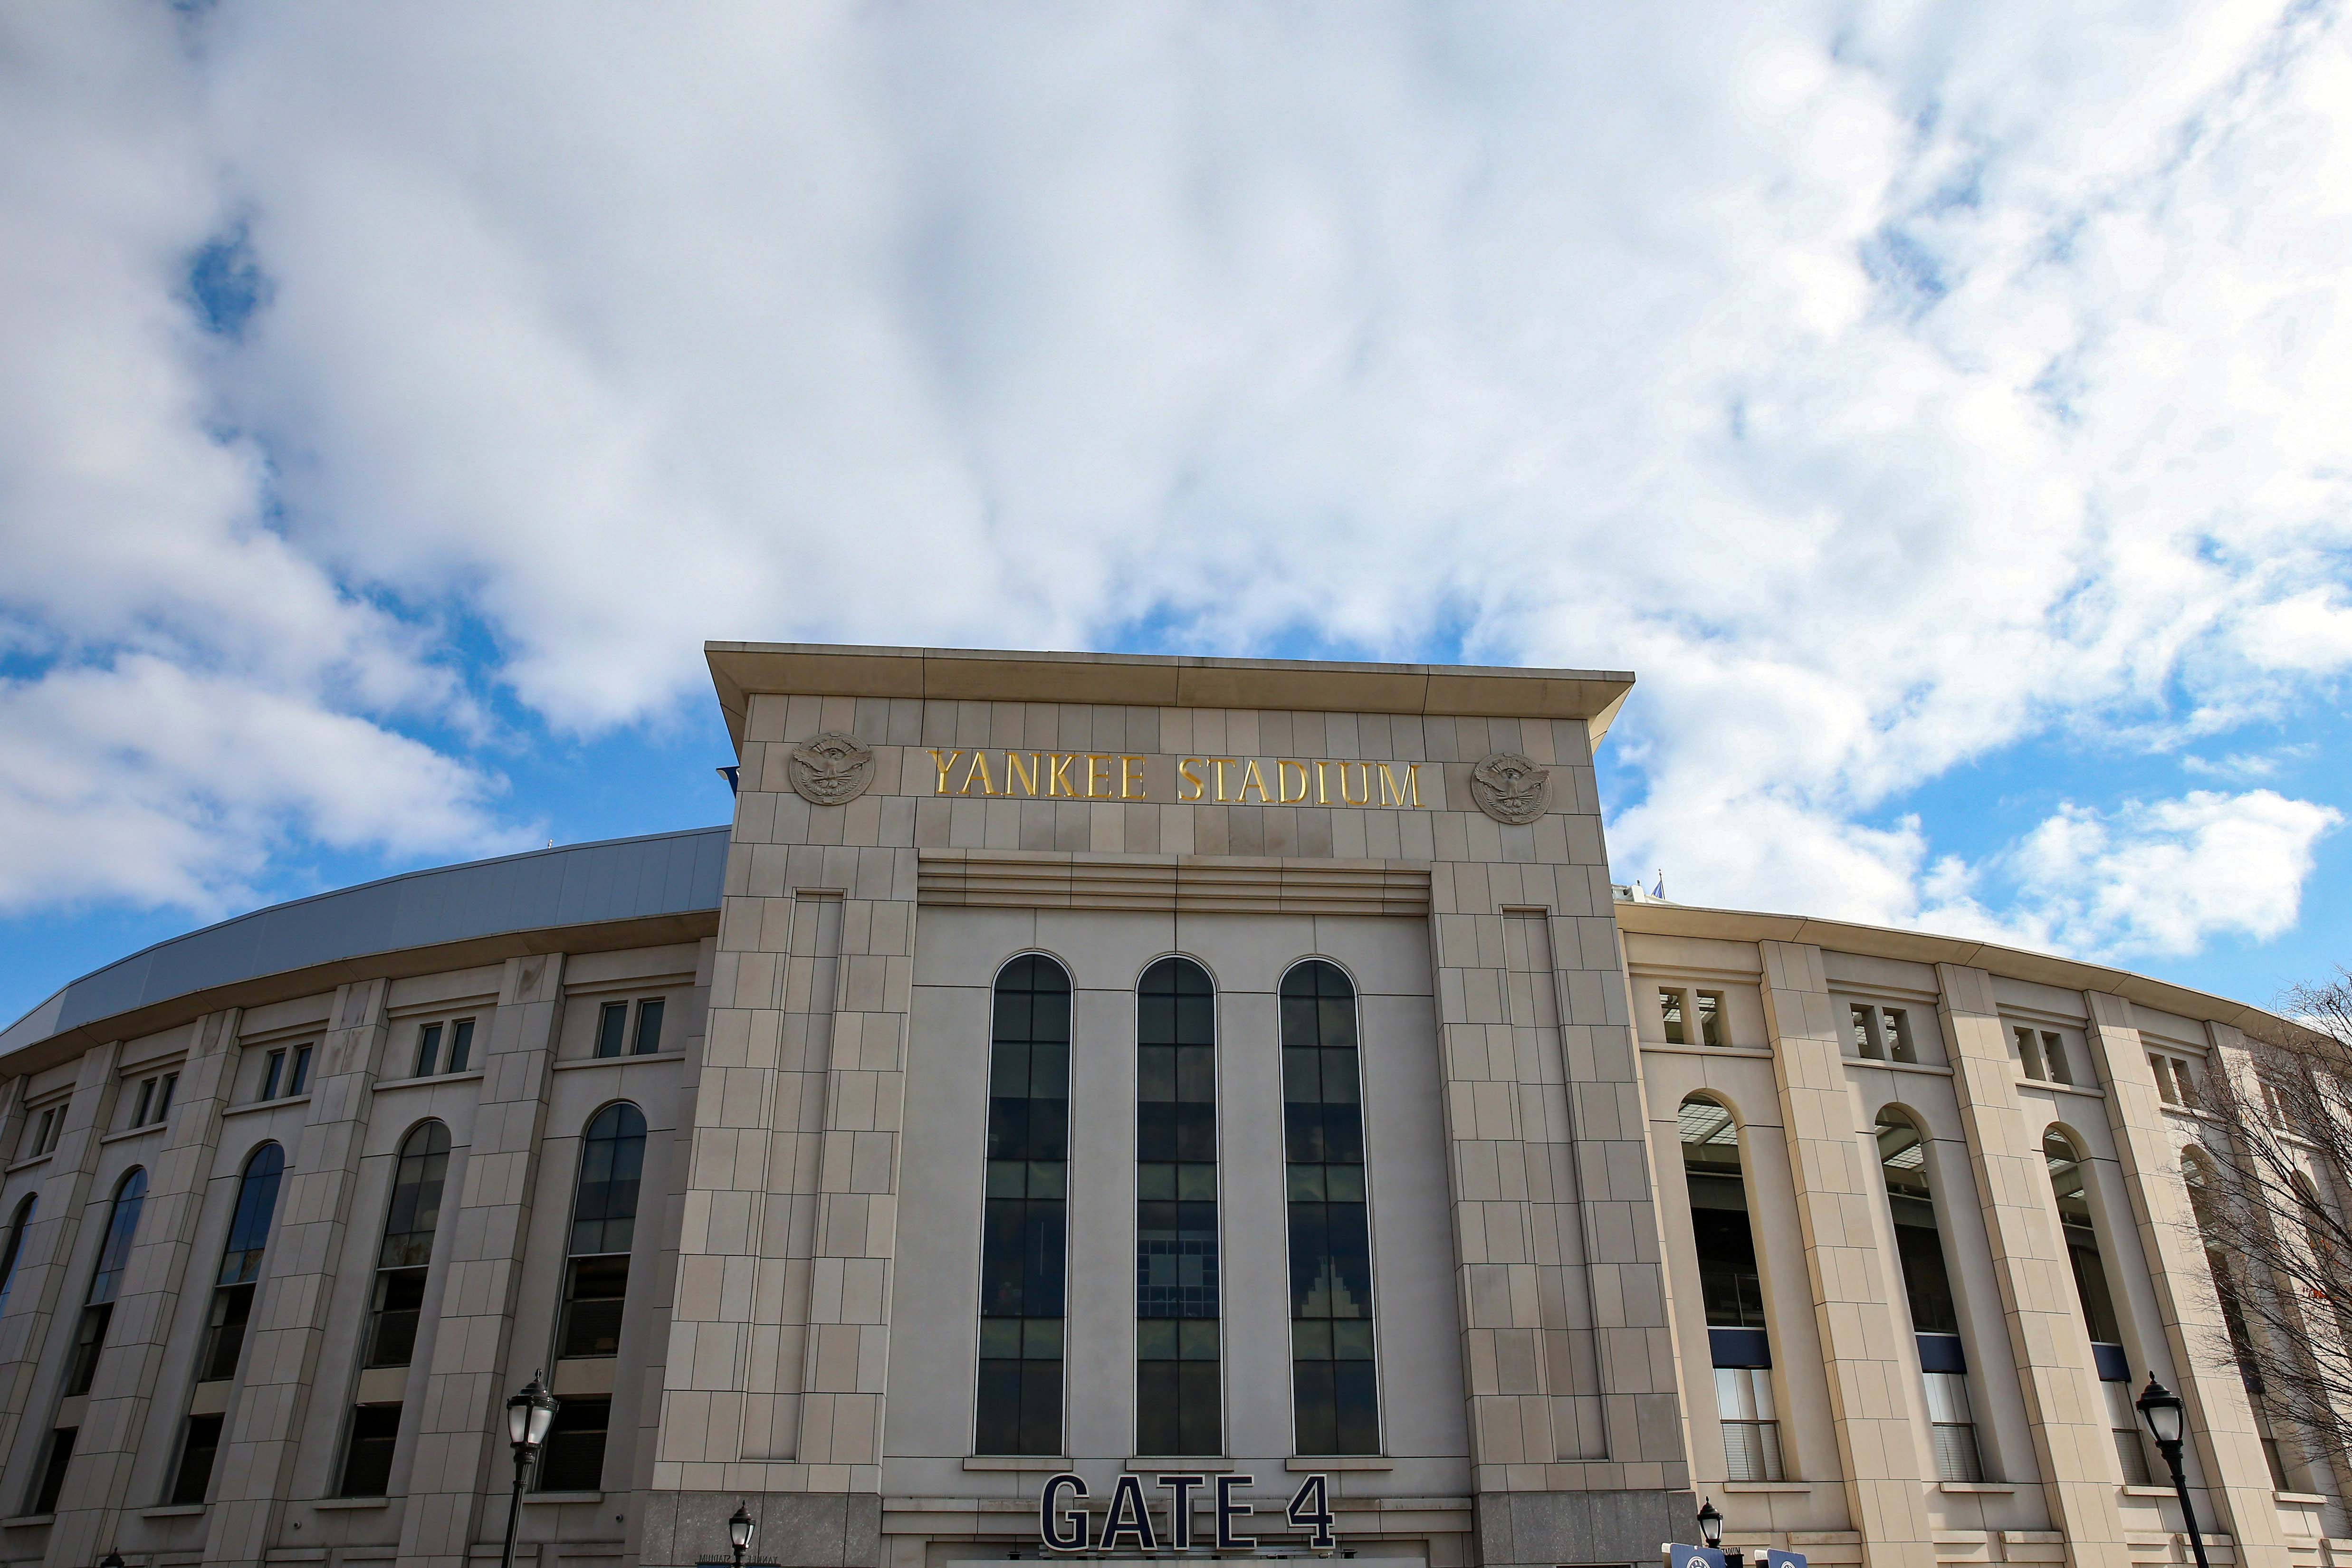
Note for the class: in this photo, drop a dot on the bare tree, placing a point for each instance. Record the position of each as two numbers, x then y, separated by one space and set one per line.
2270 1212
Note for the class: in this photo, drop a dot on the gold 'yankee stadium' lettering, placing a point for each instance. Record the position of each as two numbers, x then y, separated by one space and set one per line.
1225 781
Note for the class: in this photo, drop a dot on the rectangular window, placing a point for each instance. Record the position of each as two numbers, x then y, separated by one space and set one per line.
224 1332
1710 1019
461 1045
1751 1436
1952 1427
52 1478
89 1339
1670 1012
2123 1419
1336 1383
1022 1234
146 1099
1178 1392
610 1025
1896 1027
574 1457
1863 1022
399 1303
2053 1051
301 1078
428 1050
650 1025
271 1073
594 1290
199 1443
164 1095
367 1454
57 1129
2029 1053
41 1133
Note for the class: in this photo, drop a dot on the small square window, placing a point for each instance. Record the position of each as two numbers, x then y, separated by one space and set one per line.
461 1044
1670 1010
428 1050
1710 1019
610 1025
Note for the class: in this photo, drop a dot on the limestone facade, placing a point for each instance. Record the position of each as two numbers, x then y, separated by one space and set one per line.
802 1327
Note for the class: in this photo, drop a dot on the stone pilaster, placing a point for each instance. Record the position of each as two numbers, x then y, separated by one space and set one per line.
2047 1338
475 1367
124 1389
40 1290
266 1427
1838 1201
2220 1417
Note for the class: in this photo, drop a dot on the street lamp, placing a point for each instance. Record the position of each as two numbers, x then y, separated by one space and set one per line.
111 1560
529 1415
739 1533
1710 1534
2160 1408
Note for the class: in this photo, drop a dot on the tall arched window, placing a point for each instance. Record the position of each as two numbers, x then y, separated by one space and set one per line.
1019 1396
17 1224
2068 1183
1176 1392
1928 1286
1731 1285
2333 1265
1335 1384
595 1292
2196 1175
106 1281
232 1307
404 1259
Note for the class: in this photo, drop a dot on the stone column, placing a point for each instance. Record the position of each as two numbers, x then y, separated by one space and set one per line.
43 1264
2221 1417
256 1467
2063 1407
461 1418
1838 1199
122 1394
1569 1360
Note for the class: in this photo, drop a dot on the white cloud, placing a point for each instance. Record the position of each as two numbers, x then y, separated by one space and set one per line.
2158 877
1884 388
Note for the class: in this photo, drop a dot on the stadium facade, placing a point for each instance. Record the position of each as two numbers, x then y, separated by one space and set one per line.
1232 1088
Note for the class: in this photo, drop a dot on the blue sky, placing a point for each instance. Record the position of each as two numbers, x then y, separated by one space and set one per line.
1940 408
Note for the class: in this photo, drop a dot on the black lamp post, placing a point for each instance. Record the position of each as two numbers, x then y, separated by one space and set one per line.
1710 1534
2160 1408
111 1560
529 1415
739 1533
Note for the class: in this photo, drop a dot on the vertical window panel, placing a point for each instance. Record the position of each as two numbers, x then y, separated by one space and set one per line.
17 1224
1731 1288
603 1229
406 1251
1335 1380
1023 1227
106 1281
239 1275
1179 1392
1928 1286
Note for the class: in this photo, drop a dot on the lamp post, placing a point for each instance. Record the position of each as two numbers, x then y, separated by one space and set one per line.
2160 1408
111 1560
1710 1534
529 1415
739 1533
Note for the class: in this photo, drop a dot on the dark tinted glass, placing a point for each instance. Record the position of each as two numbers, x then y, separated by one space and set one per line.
224 1332
610 1025
415 1211
428 1050
2066 1185
53 1471
612 1163
1731 1286
367 1456
461 1045
399 1306
1177 1391
24 1216
1021 1284
1902 1154
256 1204
198 1444
595 1290
574 1457
649 1026
1334 1385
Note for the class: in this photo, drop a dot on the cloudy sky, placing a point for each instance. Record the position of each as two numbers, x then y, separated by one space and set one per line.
1943 407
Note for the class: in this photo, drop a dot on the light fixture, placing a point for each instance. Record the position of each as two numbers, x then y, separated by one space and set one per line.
529 1414
1710 1526
2160 1408
739 1533
111 1560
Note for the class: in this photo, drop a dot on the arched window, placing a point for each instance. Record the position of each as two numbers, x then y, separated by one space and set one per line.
1023 1234
2196 1176
403 1260
17 1224
595 1291
2333 1265
2069 1179
1176 1392
1335 1384
1928 1286
1731 1285
106 1281
233 1286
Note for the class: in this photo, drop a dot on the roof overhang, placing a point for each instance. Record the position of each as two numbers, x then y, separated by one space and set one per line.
738 670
